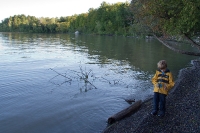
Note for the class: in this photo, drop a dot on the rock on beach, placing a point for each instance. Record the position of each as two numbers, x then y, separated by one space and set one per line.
182 109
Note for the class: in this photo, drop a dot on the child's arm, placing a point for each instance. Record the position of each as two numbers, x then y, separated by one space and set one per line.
171 82
154 79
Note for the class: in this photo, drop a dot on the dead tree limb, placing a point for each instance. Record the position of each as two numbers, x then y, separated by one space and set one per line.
192 41
176 50
69 79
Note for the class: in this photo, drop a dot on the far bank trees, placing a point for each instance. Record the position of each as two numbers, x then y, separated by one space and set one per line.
111 19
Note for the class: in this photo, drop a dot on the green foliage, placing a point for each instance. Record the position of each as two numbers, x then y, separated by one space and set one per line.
112 19
169 17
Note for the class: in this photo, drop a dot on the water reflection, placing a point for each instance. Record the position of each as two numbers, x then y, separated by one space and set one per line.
139 53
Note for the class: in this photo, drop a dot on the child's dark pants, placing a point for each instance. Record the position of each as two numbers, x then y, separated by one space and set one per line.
159 99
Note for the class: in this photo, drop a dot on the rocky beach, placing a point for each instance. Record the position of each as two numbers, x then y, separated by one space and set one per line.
182 109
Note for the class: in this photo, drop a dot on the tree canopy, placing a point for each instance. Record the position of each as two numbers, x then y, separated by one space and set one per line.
112 19
170 18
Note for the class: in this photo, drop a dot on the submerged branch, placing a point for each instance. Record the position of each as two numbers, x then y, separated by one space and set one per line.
192 41
61 75
175 49
84 76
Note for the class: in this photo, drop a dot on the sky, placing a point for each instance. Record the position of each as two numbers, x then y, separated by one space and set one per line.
48 8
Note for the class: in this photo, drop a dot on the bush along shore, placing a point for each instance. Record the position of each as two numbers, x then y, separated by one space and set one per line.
182 109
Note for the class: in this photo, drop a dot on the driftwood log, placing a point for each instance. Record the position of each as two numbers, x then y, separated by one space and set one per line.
120 115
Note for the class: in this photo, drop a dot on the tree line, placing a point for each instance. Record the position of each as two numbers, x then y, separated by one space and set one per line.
110 19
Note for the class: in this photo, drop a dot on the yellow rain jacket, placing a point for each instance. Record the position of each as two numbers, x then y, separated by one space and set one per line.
162 81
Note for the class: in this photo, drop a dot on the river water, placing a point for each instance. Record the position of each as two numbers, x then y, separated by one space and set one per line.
68 83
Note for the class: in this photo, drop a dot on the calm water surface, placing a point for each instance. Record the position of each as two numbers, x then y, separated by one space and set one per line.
71 84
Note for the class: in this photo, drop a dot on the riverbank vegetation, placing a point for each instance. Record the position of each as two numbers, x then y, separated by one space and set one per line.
110 19
169 20
166 20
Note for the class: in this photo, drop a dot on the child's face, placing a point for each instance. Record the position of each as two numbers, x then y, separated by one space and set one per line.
163 69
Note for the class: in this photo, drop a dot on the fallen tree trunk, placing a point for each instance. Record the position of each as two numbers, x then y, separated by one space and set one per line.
120 115
178 50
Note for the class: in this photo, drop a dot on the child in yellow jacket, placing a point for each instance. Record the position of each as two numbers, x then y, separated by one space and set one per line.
163 82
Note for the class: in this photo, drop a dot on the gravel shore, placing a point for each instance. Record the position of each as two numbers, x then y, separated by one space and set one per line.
182 109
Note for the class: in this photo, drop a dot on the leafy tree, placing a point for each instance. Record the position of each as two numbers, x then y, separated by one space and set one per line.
107 19
170 19
91 20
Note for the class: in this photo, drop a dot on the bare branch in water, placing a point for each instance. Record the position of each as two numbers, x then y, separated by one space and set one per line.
106 80
59 74
87 77
115 81
83 75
